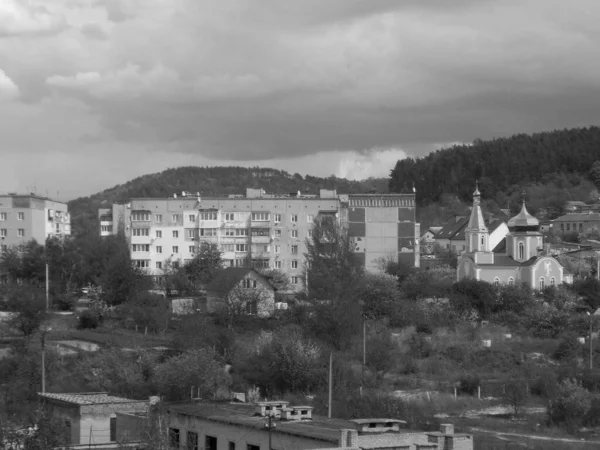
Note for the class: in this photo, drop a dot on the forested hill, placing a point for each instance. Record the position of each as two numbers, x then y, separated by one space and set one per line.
215 181
503 165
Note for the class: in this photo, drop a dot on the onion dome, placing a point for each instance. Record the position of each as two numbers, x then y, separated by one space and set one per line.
523 221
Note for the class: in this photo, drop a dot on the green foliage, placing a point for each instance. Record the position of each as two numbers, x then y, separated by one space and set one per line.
508 163
49 432
594 174
570 405
516 393
198 331
380 352
378 294
568 349
589 289
432 283
147 311
469 295
29 304
515 299
468 384
205 265
88 320
545 322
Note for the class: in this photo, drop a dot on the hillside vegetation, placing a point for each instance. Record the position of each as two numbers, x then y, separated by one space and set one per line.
558 159
214 181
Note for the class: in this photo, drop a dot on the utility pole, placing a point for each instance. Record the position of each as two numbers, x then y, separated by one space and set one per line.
364 354
44 331
47 290
330 381
270 425
591 348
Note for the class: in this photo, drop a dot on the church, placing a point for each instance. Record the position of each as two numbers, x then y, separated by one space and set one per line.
521 262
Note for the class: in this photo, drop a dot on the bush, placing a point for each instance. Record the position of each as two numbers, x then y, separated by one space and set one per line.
468 384
570 405
590 379
424 328
568 348
88 320
546 385
592 418
419 346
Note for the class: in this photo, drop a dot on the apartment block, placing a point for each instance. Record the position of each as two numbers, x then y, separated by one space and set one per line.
268 230
27 217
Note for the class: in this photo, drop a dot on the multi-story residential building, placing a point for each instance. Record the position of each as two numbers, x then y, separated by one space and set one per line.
268 230
27 217
575 223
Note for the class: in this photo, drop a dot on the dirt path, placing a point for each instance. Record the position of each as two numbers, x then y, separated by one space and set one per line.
533 436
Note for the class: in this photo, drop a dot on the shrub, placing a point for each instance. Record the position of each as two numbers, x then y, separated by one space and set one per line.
515 394
468 384
424 328
87 320
568 348
419 346
546 385
592 418
570 405
590 379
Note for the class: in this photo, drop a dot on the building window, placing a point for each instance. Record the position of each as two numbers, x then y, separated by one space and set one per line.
158 233
542 283
278 264
158 265
482 240
260 217
158 218
511 281
113 429
21 232
309 233
231 446
295 264
568 227
241 247
295 280
277 233
552 281
175 218
278 249
252 447
140 216
210 215
3 232
260 232
3 216
208 232
141 263
210 443
141 232
496 282
175 264
159 249
521 250
229 217
175 234
294 249
229 232
103 228
175 249
277 218
228 247
260 264
191 234
21 216
241 231
192 249
310 218
294 233
174 437
3 247
141 247
249 283
294 217
192 440
191 218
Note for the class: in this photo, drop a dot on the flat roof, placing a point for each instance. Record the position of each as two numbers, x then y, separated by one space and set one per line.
243 414
86 398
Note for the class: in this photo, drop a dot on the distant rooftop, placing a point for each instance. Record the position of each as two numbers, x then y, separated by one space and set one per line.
87 398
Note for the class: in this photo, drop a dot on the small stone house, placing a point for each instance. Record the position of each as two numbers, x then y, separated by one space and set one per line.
242 288
89 417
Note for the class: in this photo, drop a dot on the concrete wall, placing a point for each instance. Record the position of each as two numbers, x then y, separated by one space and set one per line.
69 416
95 420
216 301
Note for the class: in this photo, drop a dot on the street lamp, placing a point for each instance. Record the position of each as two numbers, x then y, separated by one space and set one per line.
270 425
44 331
591 349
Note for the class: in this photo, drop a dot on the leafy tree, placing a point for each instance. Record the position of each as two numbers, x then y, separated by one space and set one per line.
432 283
378 293
516 393
49 432
595 174
589 289
570 404
516 299
278 279
199 331
469 294
29 304
200 369
205 265
173 279
380 347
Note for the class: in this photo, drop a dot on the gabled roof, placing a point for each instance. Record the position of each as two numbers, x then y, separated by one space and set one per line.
227 278
452 228
494 223
579 217
501 247
87 398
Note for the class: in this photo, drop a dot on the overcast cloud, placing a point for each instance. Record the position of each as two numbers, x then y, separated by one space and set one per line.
96 92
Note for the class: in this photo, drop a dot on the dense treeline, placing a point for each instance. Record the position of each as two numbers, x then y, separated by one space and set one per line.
504 165
213 181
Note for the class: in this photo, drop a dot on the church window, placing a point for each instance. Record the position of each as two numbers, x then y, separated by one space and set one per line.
552 281
568 227
580 226
511 281
521 250
542 283
482 240
496 282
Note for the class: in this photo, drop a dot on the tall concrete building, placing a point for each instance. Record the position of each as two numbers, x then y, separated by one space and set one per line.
27 217
270 230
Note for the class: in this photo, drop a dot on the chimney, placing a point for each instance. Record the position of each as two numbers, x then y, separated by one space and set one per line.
447 428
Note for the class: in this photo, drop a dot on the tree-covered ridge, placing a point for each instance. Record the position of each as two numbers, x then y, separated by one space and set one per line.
503 164
210 181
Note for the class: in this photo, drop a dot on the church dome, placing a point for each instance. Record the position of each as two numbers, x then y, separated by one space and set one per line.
523 221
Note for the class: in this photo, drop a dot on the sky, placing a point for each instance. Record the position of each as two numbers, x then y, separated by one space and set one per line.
94 93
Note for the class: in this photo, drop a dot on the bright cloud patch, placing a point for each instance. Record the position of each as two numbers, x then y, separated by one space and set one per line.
18 17
8 89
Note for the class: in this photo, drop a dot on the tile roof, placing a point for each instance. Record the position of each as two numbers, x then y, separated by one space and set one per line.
227 278
86 398
452 228
583 217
